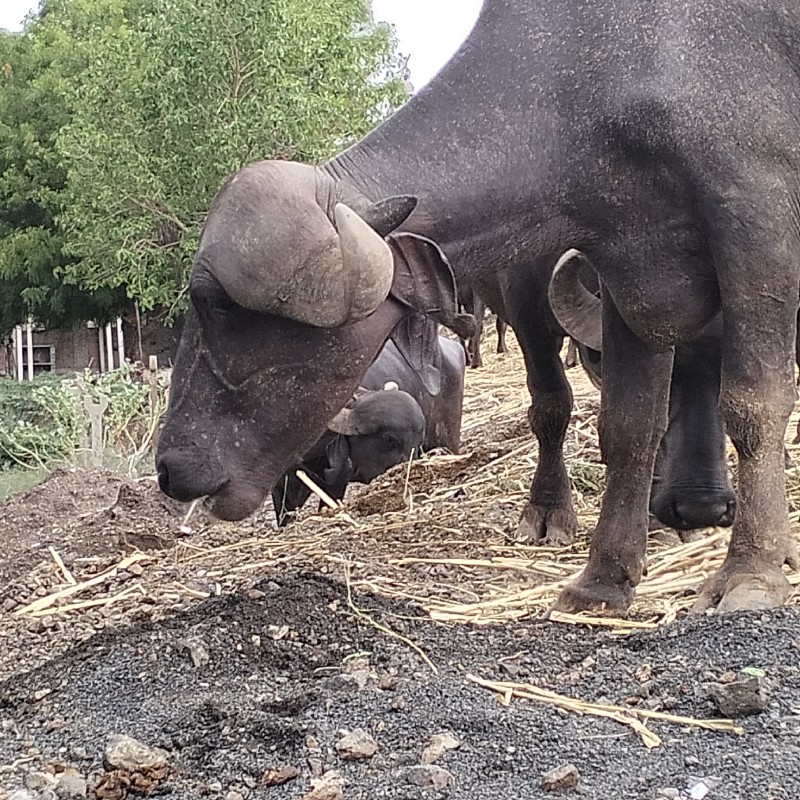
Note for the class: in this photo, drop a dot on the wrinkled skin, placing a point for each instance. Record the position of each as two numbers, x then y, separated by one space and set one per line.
387 435
658 138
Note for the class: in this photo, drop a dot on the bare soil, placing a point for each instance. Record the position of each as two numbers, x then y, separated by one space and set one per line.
242 650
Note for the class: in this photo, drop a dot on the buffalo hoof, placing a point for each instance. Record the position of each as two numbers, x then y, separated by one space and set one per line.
549 526
743 587
591 594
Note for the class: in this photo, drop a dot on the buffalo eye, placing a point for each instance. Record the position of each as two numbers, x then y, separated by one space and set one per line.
209 298
391 441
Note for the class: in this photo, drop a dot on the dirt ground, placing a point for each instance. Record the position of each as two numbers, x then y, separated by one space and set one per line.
322 661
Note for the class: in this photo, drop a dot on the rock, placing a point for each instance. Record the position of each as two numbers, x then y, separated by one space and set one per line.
234 795
35 781
277 777
22 794
438 746
123 752
328 787
71 786
429 776
747 694
197 649
356 744
564 777
668 793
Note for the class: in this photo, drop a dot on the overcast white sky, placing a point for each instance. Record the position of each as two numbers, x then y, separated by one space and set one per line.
429 31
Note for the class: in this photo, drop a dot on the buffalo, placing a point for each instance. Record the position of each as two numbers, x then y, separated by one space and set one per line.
392 416
655 143
470 301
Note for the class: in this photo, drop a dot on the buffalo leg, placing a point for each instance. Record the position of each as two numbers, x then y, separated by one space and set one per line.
474 343
756 398
571 359
548 515
633 418
501 326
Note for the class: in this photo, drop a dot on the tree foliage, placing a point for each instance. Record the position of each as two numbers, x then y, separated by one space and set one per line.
185 92
119 120
35 69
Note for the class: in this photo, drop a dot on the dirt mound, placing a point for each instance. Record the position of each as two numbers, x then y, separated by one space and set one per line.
248 684
81 514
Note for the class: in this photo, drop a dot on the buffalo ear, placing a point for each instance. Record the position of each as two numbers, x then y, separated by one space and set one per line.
385 215
417 337
424 281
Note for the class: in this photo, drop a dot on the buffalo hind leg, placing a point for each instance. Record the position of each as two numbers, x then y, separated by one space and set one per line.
548 515
633 418
756 398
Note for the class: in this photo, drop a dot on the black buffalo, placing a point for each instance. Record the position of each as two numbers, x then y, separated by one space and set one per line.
391 416
658 138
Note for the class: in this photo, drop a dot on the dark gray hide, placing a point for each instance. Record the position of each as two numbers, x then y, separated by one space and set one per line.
660 139
390 425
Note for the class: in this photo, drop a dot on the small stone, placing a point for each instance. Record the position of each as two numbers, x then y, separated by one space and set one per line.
197 649
71 786
429 776
668 793
277 777
564 777
356 744
123 752
234 795
214 786
644 673
35 781
328 787
398 703
439 745
748 694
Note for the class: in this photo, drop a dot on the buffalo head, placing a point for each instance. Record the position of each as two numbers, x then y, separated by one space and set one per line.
290 303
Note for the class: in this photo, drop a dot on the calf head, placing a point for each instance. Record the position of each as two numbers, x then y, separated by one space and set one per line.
383 428
288 308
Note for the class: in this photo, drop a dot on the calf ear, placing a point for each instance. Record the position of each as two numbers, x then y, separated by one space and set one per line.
417 338
424 281
340 469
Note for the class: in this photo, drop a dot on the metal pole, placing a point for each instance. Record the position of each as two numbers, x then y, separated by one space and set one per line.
120 342
109 348
18 352
102 349
29 337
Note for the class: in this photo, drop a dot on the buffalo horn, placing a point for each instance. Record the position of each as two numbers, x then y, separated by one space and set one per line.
577 310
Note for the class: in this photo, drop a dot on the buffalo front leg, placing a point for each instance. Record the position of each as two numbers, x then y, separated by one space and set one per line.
756 399
633 418
548 515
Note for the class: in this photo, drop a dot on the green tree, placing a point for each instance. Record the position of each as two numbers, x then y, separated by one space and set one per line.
36 69
189 90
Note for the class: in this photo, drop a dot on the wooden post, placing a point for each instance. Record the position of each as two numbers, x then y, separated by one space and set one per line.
29 342
152 380
96 411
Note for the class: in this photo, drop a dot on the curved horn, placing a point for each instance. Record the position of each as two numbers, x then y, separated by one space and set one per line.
274 250
577 310
367 264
